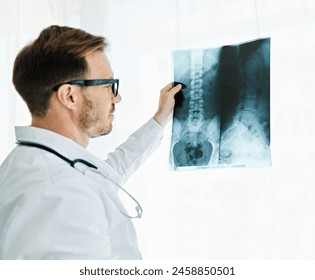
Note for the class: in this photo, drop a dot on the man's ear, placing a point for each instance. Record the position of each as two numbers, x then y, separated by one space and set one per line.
68 96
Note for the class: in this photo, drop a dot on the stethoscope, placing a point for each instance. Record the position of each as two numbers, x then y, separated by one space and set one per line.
92 167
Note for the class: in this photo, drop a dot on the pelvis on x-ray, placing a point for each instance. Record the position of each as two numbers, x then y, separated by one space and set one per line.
222 114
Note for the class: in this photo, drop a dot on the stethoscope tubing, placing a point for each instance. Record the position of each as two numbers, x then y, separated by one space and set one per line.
92 168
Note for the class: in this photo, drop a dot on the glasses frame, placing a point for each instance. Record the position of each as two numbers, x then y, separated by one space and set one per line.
88 83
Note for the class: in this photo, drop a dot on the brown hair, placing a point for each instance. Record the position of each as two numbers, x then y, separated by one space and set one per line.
56 56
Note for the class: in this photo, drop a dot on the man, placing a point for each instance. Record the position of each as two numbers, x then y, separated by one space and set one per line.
57 200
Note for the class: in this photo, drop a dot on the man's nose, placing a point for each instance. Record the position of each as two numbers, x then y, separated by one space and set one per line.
117 98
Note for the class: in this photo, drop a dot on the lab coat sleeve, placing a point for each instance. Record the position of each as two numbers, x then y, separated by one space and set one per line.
126 159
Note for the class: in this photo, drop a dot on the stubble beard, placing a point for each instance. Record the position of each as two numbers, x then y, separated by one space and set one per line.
91 122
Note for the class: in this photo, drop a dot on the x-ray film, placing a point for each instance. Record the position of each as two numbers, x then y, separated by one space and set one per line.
222 114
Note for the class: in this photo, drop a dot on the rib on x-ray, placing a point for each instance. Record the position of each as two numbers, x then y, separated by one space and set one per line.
222 114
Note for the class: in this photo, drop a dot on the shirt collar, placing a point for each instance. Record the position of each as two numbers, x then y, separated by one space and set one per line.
55 141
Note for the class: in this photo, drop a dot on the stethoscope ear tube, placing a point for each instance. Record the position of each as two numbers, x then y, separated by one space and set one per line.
50 150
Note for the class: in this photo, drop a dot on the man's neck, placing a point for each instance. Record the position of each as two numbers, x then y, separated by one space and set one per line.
61 126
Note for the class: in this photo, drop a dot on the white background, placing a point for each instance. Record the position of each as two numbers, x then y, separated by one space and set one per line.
211 214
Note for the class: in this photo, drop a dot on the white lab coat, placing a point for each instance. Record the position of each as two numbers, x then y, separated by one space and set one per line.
49 210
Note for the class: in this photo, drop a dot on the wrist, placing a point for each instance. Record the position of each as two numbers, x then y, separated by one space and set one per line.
159 118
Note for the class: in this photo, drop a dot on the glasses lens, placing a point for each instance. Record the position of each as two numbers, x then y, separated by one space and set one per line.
114 89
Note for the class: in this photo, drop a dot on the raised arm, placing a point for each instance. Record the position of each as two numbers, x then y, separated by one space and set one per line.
126 159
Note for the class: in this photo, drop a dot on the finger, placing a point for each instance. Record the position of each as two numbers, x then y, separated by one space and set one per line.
175 90
167 88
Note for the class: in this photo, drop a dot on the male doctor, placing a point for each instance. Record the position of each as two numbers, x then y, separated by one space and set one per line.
57 200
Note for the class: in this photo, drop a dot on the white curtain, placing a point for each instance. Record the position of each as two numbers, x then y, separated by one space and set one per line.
211 214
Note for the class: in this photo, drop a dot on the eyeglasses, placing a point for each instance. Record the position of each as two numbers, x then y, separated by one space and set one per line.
113 82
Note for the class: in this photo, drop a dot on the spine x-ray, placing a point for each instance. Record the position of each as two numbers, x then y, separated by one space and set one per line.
222 114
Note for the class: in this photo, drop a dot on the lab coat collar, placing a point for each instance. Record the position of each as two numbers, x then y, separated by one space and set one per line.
55 141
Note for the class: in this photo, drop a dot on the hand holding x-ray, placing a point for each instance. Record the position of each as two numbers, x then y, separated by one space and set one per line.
166 103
